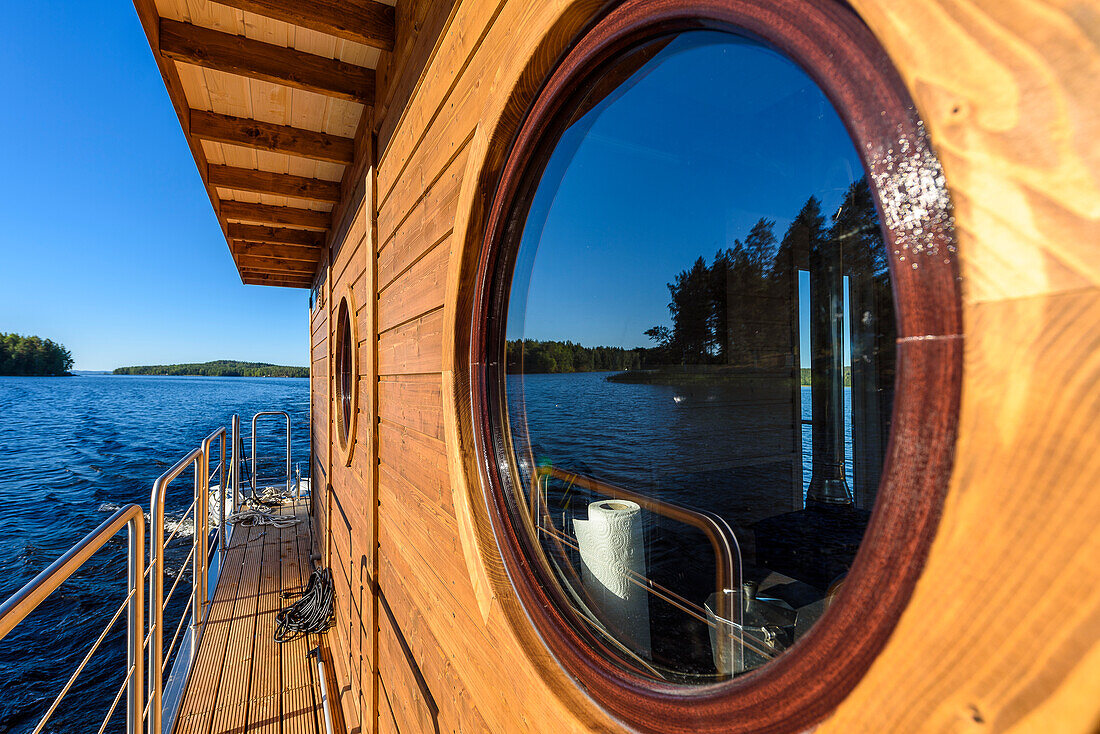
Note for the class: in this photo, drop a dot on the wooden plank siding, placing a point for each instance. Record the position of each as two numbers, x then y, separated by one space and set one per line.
428 635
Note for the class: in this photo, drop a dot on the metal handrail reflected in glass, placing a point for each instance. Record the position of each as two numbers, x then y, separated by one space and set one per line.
723 542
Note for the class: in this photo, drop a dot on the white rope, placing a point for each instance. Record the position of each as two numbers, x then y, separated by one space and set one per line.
257 510
248 517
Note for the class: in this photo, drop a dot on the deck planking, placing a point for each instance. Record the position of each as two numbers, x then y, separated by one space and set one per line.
243 681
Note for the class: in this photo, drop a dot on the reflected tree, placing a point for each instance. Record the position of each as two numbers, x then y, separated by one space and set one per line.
734 311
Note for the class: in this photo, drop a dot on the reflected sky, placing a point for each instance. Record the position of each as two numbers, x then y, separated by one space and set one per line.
709 136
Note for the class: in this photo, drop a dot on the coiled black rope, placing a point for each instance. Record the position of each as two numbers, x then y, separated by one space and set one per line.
311 614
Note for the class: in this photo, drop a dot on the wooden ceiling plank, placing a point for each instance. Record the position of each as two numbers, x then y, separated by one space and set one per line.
275 265
363 21
270 137
277 271
274 235
192 44
268 280
273 273
278 184
276 215
284 252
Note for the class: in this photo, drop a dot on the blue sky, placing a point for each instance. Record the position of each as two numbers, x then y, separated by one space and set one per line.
109 243
714 134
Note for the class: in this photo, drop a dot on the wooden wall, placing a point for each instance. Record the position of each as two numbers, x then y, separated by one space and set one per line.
1002 633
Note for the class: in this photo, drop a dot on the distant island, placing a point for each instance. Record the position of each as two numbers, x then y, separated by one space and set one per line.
33 356
217 368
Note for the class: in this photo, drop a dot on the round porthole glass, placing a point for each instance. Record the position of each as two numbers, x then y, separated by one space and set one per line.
699 357
345 376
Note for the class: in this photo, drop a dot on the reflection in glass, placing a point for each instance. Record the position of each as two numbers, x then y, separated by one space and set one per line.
700 357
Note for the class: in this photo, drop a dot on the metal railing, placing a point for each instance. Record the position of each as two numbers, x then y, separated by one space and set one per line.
254 418
157 602
147 703
207 445
26 600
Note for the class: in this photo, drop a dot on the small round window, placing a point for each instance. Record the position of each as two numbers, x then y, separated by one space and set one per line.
700 287
345 377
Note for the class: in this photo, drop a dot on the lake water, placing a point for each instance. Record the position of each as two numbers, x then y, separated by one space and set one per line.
71 451
74 449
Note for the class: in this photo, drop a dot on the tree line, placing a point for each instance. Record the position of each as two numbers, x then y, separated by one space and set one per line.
217 368
533 356
755 278
33 356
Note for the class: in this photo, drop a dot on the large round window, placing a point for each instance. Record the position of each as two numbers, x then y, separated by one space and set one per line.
692 355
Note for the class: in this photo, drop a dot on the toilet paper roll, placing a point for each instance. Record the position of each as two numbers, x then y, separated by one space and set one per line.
611 547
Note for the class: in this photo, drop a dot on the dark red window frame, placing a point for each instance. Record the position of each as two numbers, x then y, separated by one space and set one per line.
801 687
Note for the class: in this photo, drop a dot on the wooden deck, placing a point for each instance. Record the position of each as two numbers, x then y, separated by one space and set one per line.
242 680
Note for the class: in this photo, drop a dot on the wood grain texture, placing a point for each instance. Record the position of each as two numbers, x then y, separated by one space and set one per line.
192 44
276 215
267 136
273 278
363 21
273 235
277 266
278 184
311 255
1001 630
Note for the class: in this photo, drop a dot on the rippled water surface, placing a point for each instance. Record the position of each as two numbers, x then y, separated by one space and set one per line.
71 451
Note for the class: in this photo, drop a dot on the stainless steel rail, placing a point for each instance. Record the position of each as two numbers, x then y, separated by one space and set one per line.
26 600
235 470
260 415
207 445
156 581
151 701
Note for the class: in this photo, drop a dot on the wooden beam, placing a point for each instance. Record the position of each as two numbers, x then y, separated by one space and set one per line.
268 136
282 215
275 265
274 235
283 252
362 21
192 44
275 272
278 184
275 269
249 278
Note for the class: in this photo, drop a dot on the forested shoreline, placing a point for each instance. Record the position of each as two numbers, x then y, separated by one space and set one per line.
217 368
33 356
565 357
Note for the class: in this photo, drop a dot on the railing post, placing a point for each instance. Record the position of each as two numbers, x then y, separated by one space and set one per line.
156 594
156 581
135 632
207 445
198 564
236 472
222 486
286 416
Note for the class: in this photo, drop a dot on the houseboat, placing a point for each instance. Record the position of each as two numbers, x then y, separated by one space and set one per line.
676 366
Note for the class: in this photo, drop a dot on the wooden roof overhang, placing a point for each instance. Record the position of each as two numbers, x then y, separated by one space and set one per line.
274 99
